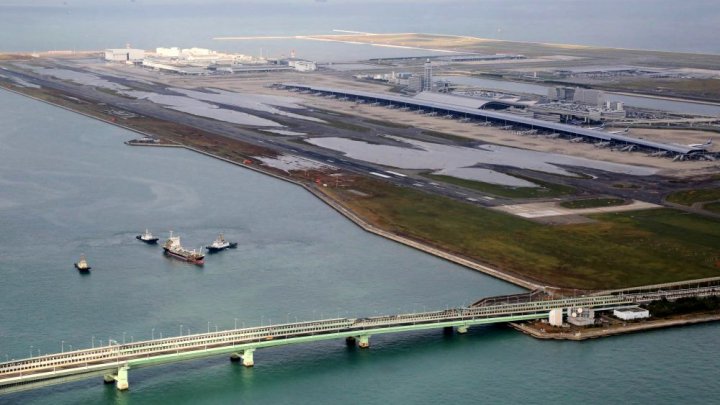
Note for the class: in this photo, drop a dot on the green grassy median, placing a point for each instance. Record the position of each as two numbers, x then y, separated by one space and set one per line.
618 250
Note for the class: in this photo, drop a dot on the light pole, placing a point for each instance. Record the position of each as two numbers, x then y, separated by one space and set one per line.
235 323
180 329
123 337
93 341
31 351
152 334
62 346
208 327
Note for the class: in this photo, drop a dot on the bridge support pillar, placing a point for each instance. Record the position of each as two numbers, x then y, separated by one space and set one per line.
462 329
247 357
364 341
122 379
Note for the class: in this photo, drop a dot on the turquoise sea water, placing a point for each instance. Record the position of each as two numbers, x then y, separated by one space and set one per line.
68 186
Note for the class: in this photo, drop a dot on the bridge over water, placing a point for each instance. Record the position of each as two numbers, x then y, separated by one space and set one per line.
114 360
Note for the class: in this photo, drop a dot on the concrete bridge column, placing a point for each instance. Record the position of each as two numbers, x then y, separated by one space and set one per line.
364 341
247 357
462 329
122 379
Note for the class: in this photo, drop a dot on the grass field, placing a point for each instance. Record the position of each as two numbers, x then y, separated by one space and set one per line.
592 203
545 189
619 250
689 197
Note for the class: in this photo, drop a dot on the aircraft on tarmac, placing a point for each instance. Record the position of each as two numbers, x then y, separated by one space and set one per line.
702 146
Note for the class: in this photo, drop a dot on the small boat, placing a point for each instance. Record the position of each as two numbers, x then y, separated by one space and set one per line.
220 244
173 248
147 237
82 265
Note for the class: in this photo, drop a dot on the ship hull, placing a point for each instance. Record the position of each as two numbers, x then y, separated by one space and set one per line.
152 241
82 269
195 260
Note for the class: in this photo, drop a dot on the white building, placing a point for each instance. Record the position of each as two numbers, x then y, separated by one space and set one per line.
124 55
302 65
629 314
173 52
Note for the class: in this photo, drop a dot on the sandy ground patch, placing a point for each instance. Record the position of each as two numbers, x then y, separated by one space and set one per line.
553 209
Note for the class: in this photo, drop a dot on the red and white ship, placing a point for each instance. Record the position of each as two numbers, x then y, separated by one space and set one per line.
172 247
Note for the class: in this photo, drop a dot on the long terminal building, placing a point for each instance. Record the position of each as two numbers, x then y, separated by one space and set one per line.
573 132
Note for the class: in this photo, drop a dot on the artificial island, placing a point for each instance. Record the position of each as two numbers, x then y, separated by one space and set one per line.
586 175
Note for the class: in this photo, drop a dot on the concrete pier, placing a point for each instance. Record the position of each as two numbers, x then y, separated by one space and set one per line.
120 379
247 357
462 329
364 341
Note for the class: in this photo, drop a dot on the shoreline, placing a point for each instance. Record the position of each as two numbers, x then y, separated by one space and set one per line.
335 205
596 333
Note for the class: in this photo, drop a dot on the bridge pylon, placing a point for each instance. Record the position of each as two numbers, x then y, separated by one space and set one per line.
247 357
462 329
120 379
364 341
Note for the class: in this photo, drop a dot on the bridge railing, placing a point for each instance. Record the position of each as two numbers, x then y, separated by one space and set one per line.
120 353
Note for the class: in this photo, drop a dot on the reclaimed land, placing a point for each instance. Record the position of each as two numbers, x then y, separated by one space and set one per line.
683 311
618 250
593 203
540 332
690 197
545 189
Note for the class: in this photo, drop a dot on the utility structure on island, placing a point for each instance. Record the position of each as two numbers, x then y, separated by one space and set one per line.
114 360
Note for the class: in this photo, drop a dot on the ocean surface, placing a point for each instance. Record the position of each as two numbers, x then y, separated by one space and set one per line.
688 26
69 186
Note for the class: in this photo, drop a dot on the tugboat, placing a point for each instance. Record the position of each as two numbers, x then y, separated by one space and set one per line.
220 244
147 237
82 265
173 248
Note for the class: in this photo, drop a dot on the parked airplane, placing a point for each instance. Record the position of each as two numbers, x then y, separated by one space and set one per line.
624 131
701 145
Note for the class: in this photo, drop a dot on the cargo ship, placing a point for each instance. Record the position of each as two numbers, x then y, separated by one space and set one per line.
220 244
173 248
82 265
147 237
